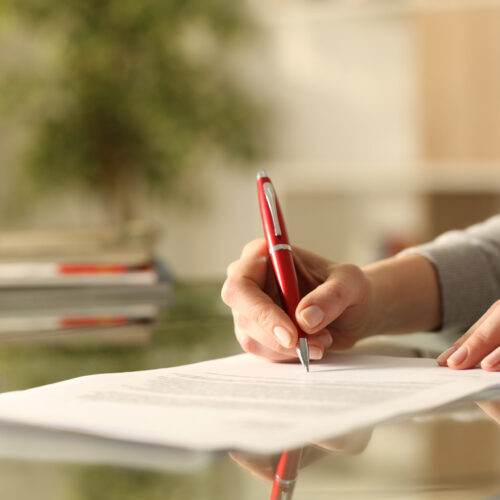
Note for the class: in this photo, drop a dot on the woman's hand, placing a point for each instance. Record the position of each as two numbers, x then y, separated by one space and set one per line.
335 309
264 466
480 344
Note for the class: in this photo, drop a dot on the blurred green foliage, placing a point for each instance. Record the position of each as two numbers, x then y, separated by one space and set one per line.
115 483
141 93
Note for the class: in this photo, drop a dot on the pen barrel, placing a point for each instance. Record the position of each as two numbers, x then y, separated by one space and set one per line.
286 276
288 464
279 248
286 475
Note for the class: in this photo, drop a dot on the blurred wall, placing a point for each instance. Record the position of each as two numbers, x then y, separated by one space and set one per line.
353 91
343 92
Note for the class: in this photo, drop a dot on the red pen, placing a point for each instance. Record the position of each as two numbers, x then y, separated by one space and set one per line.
280 252
286 475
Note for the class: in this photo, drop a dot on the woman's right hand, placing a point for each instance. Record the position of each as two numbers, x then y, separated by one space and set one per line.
336 309
264 466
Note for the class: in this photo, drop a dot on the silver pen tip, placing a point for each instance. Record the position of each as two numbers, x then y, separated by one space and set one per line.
262 174
303 352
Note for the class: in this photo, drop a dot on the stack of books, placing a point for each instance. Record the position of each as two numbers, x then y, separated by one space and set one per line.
76 259
69 274
129 324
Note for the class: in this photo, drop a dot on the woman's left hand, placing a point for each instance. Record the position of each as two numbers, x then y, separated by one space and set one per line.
480 344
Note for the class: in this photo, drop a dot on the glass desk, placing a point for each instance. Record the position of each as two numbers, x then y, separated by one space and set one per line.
450 453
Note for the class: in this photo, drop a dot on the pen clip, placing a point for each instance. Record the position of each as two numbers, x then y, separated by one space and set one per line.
271 202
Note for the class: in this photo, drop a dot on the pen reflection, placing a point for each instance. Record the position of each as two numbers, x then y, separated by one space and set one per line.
286 474
282 469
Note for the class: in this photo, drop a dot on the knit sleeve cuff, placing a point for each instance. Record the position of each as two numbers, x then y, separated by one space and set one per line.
467 284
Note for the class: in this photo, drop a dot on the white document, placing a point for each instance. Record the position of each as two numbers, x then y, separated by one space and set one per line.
242 402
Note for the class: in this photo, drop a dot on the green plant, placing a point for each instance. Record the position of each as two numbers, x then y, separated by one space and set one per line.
142 92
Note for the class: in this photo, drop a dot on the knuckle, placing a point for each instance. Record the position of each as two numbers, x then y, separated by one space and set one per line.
228 291
254 246
231 267
354 273
247 343
351 269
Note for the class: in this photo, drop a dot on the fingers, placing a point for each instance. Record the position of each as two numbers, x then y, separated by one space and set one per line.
491 363
491 408
243 292
352 443
344 288
262 467
255 341
480 344
252 345
262 327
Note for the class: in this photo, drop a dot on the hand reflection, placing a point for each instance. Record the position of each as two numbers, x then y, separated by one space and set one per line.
264 466
491 408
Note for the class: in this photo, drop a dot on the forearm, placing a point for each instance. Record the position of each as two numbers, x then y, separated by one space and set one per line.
468 268
405 295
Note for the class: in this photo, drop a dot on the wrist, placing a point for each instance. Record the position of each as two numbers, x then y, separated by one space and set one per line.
405 295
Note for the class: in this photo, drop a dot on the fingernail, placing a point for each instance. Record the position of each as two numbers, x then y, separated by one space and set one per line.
492 360
283 336
460 356
315 352
325 339
312 316
441 359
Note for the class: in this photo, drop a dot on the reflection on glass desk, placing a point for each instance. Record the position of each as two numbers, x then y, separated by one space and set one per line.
450 453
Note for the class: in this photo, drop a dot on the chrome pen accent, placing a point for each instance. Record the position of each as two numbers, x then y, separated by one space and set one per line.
285 482
286 494
281 246
271 203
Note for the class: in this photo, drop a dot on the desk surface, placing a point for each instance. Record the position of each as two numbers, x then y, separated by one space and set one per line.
452 453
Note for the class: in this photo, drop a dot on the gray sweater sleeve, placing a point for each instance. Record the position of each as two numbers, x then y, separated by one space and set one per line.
468 267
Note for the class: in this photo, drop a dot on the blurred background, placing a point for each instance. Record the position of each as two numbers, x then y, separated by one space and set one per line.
147 123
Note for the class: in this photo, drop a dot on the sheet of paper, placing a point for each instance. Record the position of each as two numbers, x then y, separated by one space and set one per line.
242 402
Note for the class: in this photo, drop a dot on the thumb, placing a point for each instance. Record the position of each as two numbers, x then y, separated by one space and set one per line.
330 299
